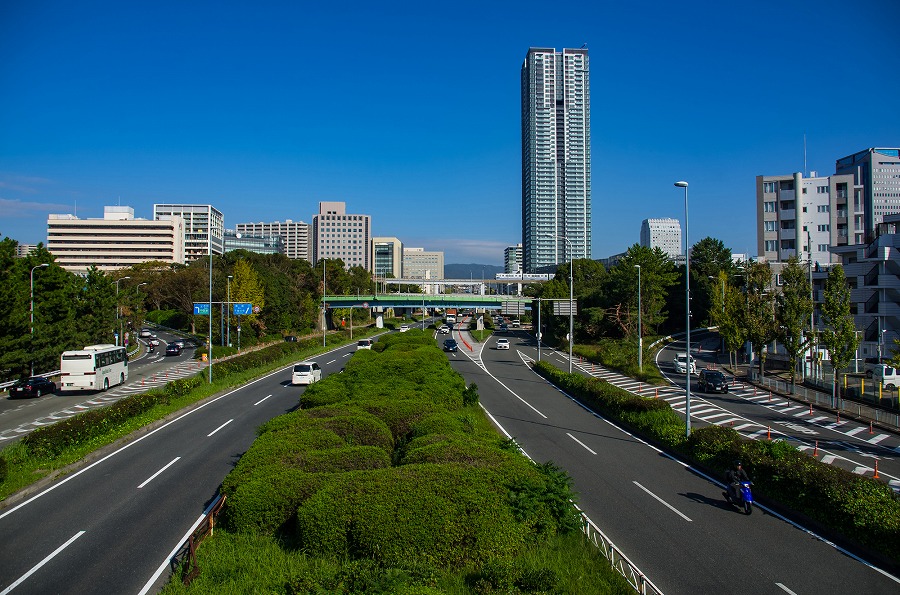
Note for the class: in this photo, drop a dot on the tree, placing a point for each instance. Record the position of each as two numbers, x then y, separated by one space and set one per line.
245 287
758 315
657 276
732 325
793 309
839 336
709 259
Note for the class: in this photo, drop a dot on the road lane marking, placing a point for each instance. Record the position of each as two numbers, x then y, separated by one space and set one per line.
878 438
583 445
220 427
785 589
854 431
261 400
152 477
663 502
37 566
331 362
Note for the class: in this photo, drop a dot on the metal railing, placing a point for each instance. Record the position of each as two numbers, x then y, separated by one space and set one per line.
618 560
185 559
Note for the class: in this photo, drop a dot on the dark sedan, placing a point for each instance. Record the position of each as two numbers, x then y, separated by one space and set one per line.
173 349
712 381
32 387
451 345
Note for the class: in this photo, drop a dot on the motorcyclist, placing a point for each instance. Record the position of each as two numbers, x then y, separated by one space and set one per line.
734 477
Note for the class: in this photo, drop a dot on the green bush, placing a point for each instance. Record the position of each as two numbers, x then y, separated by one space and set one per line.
265 503
4 469
183 386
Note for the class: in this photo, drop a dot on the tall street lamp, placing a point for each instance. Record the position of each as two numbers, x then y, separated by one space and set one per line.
40 266
118 317
209 337
324 316
687 309
228 310
571 300
640 336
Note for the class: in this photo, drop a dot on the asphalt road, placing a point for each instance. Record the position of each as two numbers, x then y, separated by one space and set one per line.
670 520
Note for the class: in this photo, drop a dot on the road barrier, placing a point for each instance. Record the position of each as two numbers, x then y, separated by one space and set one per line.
618 559
185 559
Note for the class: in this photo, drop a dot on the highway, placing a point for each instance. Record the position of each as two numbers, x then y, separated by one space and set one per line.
670 520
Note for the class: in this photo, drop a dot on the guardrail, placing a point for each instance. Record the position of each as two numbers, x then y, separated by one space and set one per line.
618 559
185 559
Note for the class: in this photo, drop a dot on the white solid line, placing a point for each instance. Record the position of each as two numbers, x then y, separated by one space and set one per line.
583 445
261 400
219 428
663 502
347 354
785 589
37 567
331 362
152 477
168 559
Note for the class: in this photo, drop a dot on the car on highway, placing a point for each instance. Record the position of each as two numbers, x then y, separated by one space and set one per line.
504 328
502 343
173 349
444 329
681 363
181 343
364 344
35 386
404 328
153 341
451 345
306 373
145 332
712 381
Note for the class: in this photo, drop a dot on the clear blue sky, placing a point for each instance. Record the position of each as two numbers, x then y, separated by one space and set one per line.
409 111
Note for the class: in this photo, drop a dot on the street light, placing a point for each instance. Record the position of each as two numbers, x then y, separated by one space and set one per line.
571 300
118 317
640 337
40 266
209 338
687 308
324 314
228 310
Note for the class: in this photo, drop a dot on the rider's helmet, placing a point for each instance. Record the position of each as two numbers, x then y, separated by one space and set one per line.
737 463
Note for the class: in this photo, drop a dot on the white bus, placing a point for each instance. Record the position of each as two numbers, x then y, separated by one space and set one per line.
96 367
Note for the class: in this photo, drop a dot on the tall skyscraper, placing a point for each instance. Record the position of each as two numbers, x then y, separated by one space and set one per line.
556 157
664 234
876 179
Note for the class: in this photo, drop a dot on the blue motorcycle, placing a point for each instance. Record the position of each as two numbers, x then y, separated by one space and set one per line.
745 498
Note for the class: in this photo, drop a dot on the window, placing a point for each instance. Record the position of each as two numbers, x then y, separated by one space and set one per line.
771 245
823 247
825 228
787 205
768 186
769 207
789 224
769 225
822 208
821 189
786 184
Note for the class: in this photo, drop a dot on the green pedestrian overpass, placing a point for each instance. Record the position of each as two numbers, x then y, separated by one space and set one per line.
418 300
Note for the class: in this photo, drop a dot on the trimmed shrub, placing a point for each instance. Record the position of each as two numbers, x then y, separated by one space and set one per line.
267 502
4 469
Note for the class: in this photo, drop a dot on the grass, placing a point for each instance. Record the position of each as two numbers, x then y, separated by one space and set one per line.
622 355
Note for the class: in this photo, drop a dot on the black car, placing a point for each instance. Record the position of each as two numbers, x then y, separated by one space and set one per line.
32 387
173 349
712 381
291 338
451 345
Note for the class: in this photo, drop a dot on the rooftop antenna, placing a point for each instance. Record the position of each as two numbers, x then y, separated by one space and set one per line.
584 46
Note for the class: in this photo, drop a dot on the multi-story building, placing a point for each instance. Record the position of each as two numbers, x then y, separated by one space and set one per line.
512 259
116 241
23 250
235 240
337 234
556 157
421 264
664 233
204 228
387 254
876 185
807 225
297 236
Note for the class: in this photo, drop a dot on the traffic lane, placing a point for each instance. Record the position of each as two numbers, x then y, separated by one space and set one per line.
116 480
698 495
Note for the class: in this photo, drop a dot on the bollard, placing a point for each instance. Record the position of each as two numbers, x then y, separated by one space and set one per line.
871 431
816 451
770 395
839 416
640 387
876 470
657 393
754 390
769 433
810 408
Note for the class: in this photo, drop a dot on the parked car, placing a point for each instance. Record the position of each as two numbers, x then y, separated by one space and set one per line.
888 376
173 349
712 381
34 386
404 328
451 345
444 329
364 344
502 343
681 363
306 373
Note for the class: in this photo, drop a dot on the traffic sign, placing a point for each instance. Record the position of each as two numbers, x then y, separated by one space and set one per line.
201 309
242 309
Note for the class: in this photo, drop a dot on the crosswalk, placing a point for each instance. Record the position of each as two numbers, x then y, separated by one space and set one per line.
136 384
799 417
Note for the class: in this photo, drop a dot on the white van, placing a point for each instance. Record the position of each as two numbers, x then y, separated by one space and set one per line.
364 344
306 373
888 376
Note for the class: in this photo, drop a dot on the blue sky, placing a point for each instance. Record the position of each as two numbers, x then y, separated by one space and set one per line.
409 111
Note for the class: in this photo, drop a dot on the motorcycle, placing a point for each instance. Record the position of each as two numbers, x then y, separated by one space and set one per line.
745 498
150 350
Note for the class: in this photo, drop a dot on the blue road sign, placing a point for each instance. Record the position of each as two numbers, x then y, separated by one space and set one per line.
242 309
202 309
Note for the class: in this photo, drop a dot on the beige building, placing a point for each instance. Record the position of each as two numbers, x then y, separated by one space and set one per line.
204 228
337 234
297 236
420 264
116 241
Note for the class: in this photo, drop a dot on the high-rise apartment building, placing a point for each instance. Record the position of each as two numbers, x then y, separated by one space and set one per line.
512 259
664 233
204 228
876 185
116 241
339 235
822 215
387 254
297 236
556 157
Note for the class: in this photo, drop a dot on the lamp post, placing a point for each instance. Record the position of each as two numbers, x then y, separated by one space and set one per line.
118 318
571 300
40 266
228 310
324 317
687 309
640 336
209 338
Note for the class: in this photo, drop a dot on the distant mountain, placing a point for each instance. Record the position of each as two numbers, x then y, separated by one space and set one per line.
471 271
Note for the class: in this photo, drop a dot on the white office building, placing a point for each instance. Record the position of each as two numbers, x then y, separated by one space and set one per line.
116 241
204 228
337 234
512 259
556 157
296 235
664 234
388 257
